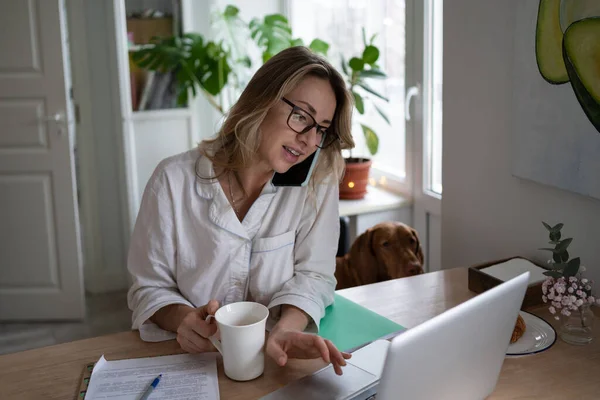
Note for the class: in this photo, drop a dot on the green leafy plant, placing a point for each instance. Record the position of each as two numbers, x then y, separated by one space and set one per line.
359 70
198 64
561 265
211 66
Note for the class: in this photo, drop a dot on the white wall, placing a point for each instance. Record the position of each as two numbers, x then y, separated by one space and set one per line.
486 212
105 260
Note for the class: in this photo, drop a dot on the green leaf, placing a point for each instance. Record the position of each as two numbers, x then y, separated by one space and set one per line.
547 226
370 54
555 236
356 64
557 266
373 38
358 102
272 34
245 61
557 227
564 256
549 249
371 90
564 244
364 36
231 11
554 274
572 267
319 46
297 42
382 113
344 67
371 139
557 257
372 73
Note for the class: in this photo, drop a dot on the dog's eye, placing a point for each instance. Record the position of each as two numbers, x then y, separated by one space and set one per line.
385 244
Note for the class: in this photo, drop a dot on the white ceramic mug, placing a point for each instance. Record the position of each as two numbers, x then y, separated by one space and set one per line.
242 328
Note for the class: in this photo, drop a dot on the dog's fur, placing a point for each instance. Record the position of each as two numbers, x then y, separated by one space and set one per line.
389 250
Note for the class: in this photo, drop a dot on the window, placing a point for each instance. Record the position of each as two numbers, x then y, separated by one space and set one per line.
340 23
433 53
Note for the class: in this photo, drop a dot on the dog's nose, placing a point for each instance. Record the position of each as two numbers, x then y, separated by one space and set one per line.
415 269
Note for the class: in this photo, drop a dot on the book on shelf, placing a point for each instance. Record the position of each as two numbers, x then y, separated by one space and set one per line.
159 92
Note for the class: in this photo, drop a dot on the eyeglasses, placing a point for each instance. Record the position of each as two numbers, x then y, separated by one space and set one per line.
300 121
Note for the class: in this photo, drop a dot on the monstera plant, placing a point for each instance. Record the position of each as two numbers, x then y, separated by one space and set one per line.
209 67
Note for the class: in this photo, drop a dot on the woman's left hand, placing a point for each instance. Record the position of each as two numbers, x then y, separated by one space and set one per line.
286 343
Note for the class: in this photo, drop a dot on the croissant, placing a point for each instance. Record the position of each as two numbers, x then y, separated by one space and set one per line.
519 329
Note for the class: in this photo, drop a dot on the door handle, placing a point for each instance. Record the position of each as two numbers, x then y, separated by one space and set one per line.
410 93
59 119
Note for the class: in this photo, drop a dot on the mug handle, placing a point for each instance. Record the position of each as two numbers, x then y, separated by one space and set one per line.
215 342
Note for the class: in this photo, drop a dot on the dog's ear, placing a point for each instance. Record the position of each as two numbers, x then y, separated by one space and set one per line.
361 258
418 247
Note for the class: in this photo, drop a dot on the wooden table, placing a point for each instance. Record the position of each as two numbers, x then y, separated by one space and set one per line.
562 372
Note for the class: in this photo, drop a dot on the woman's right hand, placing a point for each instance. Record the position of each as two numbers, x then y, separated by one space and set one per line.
193 330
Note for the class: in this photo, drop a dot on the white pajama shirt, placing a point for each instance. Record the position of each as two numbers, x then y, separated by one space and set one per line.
188 246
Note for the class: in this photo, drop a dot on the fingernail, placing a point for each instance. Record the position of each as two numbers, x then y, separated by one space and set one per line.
281 360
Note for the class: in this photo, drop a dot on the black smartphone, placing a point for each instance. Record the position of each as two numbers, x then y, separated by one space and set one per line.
299 174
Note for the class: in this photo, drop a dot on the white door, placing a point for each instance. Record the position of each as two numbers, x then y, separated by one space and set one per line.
40 251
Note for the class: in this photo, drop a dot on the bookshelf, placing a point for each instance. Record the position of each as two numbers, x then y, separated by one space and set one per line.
158 128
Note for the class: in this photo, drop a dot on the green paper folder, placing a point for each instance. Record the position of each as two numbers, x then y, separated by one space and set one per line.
349 325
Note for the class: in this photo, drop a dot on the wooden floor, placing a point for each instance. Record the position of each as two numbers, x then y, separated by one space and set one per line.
106 313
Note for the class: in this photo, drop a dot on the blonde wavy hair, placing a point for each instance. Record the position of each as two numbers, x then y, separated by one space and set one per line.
238 140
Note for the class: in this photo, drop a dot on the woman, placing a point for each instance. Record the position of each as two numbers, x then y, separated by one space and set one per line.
212 228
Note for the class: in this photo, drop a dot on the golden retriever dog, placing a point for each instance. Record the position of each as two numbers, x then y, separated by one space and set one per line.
388 250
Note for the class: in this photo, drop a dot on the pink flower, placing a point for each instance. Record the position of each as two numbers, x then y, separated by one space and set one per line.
566 312
552 310
572 279
544 289
591 299
544 299
579 293
579 302
556 317
570 290
584 281
574 286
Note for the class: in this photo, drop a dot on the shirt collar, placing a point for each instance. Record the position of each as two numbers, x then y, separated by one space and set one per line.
205 178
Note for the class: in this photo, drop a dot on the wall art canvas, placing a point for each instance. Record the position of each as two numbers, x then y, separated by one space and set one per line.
556 94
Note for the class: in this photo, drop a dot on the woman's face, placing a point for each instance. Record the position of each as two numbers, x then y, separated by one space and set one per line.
281 147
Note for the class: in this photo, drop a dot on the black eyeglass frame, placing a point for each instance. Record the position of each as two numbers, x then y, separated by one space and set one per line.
309 127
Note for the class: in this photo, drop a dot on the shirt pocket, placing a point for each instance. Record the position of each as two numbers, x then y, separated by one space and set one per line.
271 265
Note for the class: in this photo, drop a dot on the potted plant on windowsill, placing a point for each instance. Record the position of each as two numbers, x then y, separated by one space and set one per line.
358 71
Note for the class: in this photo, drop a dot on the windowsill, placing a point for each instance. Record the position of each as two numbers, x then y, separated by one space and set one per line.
375 200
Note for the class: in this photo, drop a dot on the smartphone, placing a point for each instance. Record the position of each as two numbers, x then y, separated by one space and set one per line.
299 174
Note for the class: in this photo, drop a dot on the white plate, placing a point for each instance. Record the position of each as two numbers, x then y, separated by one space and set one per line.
539 336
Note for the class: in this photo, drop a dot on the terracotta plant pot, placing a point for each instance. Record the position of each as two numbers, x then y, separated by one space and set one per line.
356 178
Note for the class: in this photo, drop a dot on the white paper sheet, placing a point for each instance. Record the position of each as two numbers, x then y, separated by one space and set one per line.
184 376
515 267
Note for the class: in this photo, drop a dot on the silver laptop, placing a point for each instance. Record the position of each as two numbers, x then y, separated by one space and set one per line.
456 355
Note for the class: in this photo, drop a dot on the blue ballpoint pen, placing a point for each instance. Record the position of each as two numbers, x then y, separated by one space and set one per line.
151 387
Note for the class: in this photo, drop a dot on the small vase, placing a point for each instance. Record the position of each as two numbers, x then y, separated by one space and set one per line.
577 328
